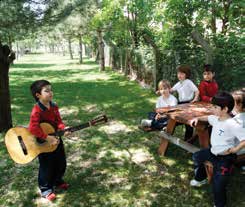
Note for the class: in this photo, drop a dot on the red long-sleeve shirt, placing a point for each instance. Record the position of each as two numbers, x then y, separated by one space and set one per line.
40 114
207 90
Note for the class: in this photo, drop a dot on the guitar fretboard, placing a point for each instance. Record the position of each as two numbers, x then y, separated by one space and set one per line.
71 129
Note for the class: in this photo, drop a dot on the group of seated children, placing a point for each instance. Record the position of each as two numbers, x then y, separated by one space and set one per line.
228 126
187 92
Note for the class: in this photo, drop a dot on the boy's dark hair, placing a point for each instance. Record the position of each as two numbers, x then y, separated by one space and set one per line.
208 68
224 99
239 97
37 86
186 69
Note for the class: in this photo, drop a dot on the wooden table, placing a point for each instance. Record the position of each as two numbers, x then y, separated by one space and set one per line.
184 113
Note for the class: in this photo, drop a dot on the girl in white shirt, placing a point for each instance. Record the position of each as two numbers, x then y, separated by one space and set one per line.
187 92
156 120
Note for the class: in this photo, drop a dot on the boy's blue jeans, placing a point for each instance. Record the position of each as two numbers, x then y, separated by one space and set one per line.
221 172
52 167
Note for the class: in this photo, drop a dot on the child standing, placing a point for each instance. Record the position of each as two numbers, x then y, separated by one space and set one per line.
208 86
224 133
156 120
187 92
52 165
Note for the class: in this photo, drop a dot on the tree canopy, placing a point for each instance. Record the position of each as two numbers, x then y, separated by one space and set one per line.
146 38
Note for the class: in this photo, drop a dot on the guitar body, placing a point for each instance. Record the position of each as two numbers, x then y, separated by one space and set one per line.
23 147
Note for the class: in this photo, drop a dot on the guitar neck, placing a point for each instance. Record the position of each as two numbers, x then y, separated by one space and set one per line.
72 129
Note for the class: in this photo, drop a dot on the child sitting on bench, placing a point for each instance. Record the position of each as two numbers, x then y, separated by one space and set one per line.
222 152
155 120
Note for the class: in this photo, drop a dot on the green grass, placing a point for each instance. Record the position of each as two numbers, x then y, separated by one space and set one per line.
113 164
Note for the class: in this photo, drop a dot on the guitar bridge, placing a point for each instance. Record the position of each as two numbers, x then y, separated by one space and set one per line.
22 144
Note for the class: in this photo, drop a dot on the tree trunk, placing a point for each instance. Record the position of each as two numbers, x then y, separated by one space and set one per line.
156 73
115 58
121 52
17 51
69 47
10 41
87 51
63 49
6 57
126 63
213 17
205 45
101 50
80 49
225 18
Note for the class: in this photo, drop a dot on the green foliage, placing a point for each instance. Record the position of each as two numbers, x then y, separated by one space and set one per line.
17 18
129 27
229 66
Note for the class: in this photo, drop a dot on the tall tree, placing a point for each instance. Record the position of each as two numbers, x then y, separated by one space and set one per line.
6 58
14 18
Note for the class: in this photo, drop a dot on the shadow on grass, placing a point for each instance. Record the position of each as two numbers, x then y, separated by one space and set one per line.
32 65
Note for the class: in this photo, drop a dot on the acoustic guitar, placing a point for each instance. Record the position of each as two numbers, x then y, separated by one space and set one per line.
23 147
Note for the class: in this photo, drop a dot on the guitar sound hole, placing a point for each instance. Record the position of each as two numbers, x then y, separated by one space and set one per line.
22 144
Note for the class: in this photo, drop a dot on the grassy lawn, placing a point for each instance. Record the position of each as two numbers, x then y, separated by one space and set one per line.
114 164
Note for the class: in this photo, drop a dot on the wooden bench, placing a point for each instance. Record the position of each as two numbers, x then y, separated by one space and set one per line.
183 114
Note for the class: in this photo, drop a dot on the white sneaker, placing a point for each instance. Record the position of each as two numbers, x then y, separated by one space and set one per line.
146 122
196 183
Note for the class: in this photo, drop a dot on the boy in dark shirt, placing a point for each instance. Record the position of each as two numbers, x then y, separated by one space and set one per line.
208 86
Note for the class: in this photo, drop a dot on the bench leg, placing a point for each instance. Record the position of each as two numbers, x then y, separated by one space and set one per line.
163 146
164 142
203 136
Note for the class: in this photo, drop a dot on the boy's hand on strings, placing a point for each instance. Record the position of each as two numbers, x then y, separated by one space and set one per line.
67 132
53 140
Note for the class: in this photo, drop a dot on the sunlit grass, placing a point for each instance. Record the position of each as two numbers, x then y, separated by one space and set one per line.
113 164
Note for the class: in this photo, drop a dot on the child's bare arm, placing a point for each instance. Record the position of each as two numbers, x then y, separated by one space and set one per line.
158 92
234 150
196 96
159 116
194 121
